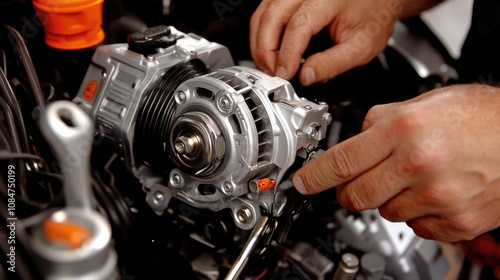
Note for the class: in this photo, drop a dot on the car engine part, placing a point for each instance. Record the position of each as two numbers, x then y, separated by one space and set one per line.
190 164
225 131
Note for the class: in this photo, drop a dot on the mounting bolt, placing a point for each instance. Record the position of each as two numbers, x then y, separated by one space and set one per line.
244 215
310 147
180 97
311 132
176 180
225 104
227 187
158 198
327 118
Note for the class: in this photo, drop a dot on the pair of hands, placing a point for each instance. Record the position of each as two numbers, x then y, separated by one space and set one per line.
432 162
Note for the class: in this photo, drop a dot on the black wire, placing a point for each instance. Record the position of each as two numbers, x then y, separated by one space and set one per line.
4 58
11 125
4 155
4 137
28 67
11 100
16 146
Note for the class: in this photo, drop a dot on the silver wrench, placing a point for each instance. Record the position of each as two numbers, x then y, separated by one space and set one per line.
69 132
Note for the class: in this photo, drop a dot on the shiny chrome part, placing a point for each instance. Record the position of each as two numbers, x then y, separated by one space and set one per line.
235 126
197 143
70 133
259 230
187 144
229 127
95 259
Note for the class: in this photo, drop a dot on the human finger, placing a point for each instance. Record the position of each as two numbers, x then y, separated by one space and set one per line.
377 185
446 229
328 64
309 19
407 205
344 161
266 26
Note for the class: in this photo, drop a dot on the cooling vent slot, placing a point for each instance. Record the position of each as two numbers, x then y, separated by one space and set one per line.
259 114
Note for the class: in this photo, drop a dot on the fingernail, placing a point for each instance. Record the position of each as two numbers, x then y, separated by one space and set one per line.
310 75
299 185
281 72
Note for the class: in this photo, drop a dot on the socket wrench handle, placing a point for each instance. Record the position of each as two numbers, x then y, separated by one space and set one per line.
69 132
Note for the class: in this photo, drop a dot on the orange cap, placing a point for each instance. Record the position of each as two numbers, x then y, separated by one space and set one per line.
71 24
67 233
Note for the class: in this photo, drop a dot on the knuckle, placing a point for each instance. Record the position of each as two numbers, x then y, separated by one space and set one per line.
436 196
372 116
467 226
390 213
416 161
341 164
268 16
406 121
421 230
299 21
350 199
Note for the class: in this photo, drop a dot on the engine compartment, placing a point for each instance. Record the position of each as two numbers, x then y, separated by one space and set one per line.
192 154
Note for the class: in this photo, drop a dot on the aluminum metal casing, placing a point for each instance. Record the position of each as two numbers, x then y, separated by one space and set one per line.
118 79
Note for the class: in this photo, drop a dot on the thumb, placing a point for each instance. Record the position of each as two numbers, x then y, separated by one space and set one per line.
344 161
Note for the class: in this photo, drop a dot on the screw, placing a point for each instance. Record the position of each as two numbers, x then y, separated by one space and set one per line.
310 147
180 147
307 107
227 187
181 97
312 132
158 198
225 103
186 144
244 215
176 180
299 133
327 118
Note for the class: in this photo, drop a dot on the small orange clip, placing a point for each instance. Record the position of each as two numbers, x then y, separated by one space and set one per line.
265 184
70 234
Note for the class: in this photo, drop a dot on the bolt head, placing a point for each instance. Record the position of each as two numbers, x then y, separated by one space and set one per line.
176 180
244 215
158 198
327 118
181 97
312 132
227 187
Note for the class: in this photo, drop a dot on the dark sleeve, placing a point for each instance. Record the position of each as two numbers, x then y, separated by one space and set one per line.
480 59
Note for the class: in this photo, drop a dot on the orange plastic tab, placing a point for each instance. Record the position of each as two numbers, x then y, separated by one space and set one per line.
90 90
71 25
265 184
67 233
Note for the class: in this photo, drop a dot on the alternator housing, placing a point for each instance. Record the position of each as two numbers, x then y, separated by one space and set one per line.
229 128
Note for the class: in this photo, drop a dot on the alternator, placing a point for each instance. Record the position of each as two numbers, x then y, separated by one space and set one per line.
221 140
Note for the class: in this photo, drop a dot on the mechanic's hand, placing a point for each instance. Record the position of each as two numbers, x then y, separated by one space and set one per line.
359 28
432 162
